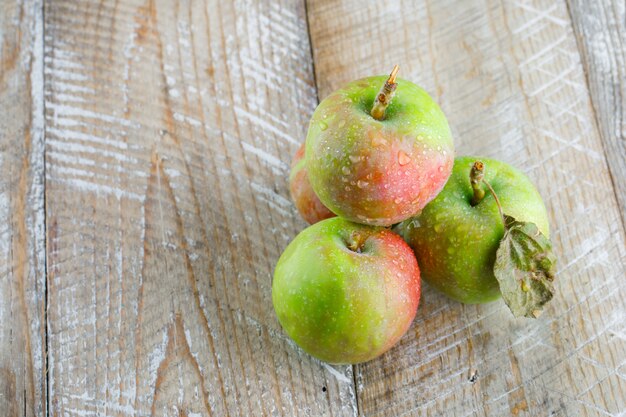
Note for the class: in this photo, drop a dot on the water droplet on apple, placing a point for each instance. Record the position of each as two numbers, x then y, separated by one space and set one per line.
347 188
378 141
438 227
355 159
341 123
362 184
345 170
403 158
440 169
323 125
398 200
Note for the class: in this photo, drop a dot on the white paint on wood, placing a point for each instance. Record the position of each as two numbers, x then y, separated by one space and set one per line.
22 252
160 168
600 28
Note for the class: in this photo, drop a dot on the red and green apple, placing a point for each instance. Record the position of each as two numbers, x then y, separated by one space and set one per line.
376 160
308 204
346 292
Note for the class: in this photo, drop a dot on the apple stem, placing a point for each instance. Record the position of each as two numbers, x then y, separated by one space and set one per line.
477 176
383 99
495 196
356 242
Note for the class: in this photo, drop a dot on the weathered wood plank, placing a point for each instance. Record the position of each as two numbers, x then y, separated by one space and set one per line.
600 28
509 77
169 129
22 239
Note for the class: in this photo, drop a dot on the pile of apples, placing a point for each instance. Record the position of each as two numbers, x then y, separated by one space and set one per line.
378 181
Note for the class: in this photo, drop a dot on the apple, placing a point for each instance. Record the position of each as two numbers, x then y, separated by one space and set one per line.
378 164
455 241
308 204
346 292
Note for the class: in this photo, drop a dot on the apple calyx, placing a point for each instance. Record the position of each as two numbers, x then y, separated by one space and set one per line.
525 268
525 265
383 99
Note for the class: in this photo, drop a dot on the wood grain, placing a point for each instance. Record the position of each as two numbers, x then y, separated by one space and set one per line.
170 125
508 75
22 242
600 29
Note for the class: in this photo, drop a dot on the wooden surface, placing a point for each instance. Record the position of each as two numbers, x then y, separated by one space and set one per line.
166 204
600 28
141 280
22 234
509 77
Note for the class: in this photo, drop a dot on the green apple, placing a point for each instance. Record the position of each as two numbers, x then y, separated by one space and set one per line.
455 241
378 171
346 292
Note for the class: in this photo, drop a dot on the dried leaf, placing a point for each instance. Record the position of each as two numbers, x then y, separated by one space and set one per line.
525 268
